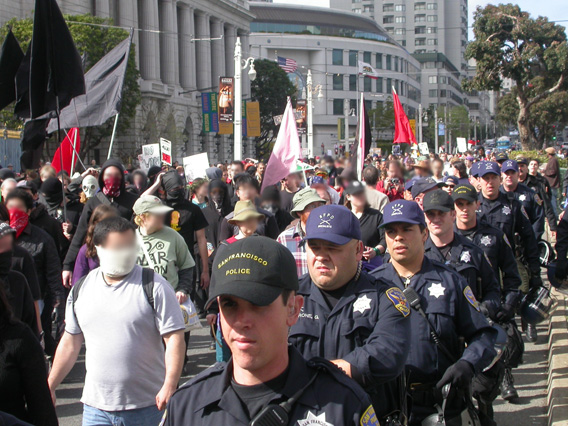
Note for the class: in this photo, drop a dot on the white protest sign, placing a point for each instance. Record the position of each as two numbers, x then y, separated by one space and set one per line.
423 147
462 144
195 166
166 150
150 156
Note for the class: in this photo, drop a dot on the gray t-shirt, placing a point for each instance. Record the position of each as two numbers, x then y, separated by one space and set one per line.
124 349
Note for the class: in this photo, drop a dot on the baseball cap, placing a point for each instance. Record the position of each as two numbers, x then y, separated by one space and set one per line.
522 160
354 188
423 185
475 168
245 210
438 200
317 180
509 165
25 184
501 156
410 183
6 229
489 167
464 191
333 223
451 179
256 269
469 158
403 211
150 204
304 198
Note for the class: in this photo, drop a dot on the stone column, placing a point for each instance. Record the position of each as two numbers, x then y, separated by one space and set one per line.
230 39
168 42
102 8
193 66
217 49
149 41
186 66
126 13
203 50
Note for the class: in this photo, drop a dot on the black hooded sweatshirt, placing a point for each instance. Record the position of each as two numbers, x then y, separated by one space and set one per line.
123 203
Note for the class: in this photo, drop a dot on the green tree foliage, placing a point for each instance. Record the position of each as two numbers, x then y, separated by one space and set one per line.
271 88
533 53
94 38
382 117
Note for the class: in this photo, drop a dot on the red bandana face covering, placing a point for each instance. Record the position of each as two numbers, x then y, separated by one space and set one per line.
18 220
112 187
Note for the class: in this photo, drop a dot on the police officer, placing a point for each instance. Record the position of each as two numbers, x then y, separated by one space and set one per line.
266 381
446 246
361 326
526 196
508 214
447 311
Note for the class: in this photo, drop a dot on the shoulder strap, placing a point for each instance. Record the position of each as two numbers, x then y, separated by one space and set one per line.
103 198
148 285
75 291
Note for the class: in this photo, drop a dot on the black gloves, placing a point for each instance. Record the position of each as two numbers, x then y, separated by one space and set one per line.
560 273
535 280
506 313
459 375
489 309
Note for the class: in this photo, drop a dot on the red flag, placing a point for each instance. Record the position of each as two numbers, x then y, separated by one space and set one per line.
66 150
402 130
286 150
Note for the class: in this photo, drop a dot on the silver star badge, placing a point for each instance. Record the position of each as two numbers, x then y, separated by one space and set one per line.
465 257
523 197
362 304
436 290
506 210
486 240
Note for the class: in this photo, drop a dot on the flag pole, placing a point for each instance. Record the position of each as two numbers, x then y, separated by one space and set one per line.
77 154
74 151
112 137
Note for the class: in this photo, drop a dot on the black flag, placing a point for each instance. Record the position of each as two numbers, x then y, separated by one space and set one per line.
32 143
22 107
55 65
103 96
11 56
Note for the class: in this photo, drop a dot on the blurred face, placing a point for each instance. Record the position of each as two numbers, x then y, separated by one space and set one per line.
7 187
235 169
523 171
331 266
449 187
490 185
393 171
139 180
112 172
323 194
261 168
203 190
443 157
154 222
225 175
6 243
465 213
258 335
358 200
305 214
405 242
247 193
440 223
533 167
437 168
16 203
248 227
510 178
120 240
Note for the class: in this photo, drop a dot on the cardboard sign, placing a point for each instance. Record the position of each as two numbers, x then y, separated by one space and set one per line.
423 147
195 166
462 144
166 150
150 156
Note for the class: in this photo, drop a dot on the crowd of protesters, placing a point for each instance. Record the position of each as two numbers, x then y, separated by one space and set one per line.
105 258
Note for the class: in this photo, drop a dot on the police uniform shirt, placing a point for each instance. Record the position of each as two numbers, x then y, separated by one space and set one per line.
333 399
540 185
533 206
367 327
452 308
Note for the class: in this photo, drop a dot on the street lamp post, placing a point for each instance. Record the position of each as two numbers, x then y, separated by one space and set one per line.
311 90
240 65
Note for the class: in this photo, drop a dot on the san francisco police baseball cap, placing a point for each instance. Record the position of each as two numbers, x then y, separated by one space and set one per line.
509 165
466 192
404 211
256 269
521 159
333 223
423 185
438 200
489 167
453 180
501 156
475 168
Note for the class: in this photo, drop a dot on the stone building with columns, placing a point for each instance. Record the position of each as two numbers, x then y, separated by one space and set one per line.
182 48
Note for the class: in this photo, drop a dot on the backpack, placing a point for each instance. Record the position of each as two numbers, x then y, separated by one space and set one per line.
147 284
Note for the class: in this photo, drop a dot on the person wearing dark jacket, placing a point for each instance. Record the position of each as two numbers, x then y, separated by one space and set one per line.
218 206
271 203
111 182
529 175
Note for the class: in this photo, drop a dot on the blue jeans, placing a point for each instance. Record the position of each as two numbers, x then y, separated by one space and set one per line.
148 416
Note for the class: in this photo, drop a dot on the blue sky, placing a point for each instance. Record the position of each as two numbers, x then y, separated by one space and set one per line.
553 9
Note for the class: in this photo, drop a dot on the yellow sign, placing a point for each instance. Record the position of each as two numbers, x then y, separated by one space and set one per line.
253 119
225 128
413 126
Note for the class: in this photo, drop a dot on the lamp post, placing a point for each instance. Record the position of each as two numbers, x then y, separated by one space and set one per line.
311 90
240 65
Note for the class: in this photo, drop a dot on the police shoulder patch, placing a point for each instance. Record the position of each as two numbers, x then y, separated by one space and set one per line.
538 199
369 418
471 298
398 299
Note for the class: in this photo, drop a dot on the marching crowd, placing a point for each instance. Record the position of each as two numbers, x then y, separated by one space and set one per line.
402 298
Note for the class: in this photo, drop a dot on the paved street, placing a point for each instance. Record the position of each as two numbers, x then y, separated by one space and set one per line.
530 380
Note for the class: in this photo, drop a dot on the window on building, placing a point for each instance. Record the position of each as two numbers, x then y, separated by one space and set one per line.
368 105
367 57
352 58
356 10
400 31
367 84
402 43
400 8
420 6
337 57
443 93
389 30
353 82
379 85
395 84
400 19
432 30
433 79
389 86
369 9
433 93
419 30
396 64
432 42
389 62
379 61
338 106
388 19
337 81
419 18
355 1
388 7
432 6
432 18
420 42
353 104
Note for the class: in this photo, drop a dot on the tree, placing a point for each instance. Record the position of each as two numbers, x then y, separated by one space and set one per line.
382 117
533 53
93 42
271 89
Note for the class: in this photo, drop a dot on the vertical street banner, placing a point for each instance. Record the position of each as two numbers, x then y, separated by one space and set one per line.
301 124
210 112
253 119
150 156
340 129
166 151
226 101
244 122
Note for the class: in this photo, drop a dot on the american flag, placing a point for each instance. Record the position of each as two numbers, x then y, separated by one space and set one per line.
287 64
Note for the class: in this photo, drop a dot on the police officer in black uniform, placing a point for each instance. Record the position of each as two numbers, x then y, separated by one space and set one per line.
266 382
447 311
360 325
448 247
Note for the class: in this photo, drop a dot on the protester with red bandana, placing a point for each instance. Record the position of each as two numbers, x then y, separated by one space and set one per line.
112 193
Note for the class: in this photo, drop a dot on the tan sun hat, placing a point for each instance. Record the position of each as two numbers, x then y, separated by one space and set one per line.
550 151
245 210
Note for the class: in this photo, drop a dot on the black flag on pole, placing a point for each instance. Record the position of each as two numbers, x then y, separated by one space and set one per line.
103 96
11 56
56 73
32 143
22 107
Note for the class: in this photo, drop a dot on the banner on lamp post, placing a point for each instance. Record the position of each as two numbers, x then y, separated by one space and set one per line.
253 119
226 101
210 113
301 108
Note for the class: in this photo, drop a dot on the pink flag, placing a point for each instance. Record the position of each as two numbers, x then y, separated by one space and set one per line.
286 150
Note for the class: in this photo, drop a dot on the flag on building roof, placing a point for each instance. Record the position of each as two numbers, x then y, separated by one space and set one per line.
11 57
402 131
287 64
367 70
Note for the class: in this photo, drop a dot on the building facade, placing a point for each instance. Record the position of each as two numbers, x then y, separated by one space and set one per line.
330 43
182 48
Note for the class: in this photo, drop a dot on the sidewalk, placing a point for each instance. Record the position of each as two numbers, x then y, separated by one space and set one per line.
557 395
